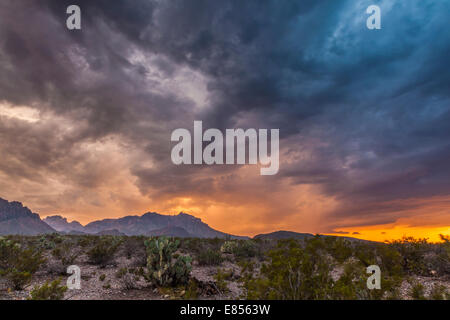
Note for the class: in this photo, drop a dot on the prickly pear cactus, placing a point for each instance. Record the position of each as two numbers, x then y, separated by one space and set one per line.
160 265
228 247
182 269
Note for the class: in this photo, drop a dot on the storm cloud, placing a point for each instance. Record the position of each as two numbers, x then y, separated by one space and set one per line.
86 115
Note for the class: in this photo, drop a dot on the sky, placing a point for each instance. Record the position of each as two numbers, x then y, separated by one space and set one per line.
86 115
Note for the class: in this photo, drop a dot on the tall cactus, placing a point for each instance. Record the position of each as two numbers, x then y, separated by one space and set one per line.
160 265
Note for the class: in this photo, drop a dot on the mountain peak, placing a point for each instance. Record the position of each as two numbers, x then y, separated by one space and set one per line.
188 216
149 214
17 219
14 209
56 218
61 224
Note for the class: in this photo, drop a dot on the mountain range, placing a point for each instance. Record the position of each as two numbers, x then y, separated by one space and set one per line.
182 225
279 235
17 219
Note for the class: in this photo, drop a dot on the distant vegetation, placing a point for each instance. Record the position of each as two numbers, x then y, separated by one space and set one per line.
189 268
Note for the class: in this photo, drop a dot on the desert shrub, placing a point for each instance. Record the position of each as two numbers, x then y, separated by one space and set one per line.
352 285
162 268
66 254
390 260
194 245
102 277
221 277
417 291
303 272
413 254
293 273
247 266
103 252
121 272
134 246
192 290
18 263
228 246
46 243
441 259
209 258
439 292
214 243
445 243
246 249
128 281
48 291
340 249
55 238
86 241
387 257
140 272
197 245
18 278
365 253
248 276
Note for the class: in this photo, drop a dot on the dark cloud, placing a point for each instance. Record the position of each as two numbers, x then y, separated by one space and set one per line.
369 109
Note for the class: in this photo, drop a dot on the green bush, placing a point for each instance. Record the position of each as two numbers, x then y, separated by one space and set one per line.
246 249
228 246
439 292
129 281
194 245
18 278
339 248
413 254
417 291
18 263
134 246
45 243
366 253
66 254
87 240
352 285
48 291
121 272
296 272
293 273
221 277
441 260
162 268
209 258
49 241
390 260
103 251
192 290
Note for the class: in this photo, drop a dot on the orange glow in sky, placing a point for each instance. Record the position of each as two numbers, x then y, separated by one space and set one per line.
391 232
